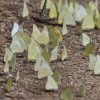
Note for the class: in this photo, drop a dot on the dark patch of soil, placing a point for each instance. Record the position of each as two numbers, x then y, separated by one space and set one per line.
74 70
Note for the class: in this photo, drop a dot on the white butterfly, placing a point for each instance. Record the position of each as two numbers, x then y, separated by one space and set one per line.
80 13
15 29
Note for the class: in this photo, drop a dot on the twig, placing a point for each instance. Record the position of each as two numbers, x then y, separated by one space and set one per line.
46 21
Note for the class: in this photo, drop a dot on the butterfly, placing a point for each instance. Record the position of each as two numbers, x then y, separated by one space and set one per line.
85 39
69 19
53 11
64 53
97 65
79 13
43 67
54 54
51 84
33 50
88 22
15 29
25 12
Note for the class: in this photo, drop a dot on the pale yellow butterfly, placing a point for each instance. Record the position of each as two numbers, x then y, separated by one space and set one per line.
64 29
53 11
92 61
25 10
36 32
64 53
85 39
97 65
54 54
8 55
44 37
33 50
51 84
44 69
88 22
69 19
48 4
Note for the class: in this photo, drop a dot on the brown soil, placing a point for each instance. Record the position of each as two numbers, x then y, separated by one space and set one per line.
74 70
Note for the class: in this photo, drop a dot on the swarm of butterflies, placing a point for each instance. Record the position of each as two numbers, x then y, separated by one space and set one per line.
43 46
70 13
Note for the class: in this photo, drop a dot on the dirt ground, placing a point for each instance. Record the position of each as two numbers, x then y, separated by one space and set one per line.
74 70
